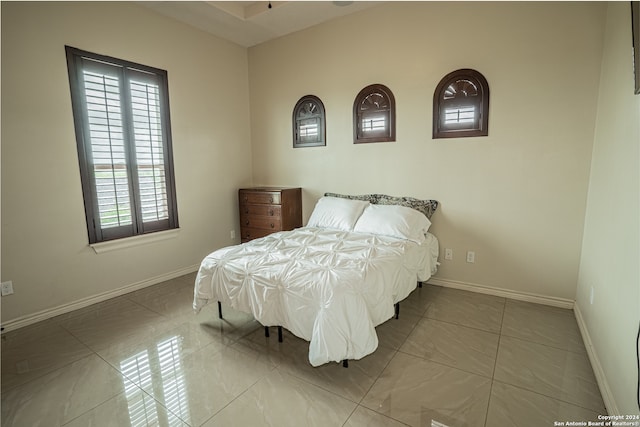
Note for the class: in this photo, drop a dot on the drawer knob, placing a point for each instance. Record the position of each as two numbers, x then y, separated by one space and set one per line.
246 211
246 222
272 225
271 199
271 212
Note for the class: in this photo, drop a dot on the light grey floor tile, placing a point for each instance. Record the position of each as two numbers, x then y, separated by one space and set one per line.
363 417
418 300
32 352
273 350
513 406
171 298
197 386
468 309
419 392
62 395
89 309
351 383
189 278
280 399
394 332
159 363
178 342
291 356
120 323
235 324
551 326
561 374
454 345
133 408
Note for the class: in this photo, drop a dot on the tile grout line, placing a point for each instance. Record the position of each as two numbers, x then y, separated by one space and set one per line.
461 325
546 345
554 398
466 326
495 364
238 396
135 384
547 396
91 352
457 368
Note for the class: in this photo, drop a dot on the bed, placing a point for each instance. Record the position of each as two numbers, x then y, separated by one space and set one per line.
334 280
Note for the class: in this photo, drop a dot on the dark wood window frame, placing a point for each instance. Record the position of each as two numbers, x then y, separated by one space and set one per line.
635 29
309 122
461 105
374 115
123 136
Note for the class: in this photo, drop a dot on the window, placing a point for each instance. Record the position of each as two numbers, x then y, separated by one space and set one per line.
374 115
309 122
461 105
123 135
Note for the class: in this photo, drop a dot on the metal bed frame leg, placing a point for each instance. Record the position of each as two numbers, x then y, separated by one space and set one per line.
397 307
266 328
345 363
266 332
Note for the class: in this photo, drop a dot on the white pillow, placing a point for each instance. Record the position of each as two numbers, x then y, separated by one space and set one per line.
336 213
394 221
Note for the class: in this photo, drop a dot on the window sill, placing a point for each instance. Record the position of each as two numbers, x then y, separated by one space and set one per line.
130 242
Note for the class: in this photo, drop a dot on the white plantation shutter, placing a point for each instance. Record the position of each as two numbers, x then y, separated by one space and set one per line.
124 145
147 128
104 117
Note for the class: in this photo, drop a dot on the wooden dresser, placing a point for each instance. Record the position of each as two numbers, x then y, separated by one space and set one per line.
265 210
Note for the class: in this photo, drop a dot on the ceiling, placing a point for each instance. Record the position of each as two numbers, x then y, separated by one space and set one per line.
248 23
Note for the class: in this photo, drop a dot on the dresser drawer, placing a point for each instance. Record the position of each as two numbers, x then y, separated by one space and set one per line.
261 210
253 233
263 197
262 222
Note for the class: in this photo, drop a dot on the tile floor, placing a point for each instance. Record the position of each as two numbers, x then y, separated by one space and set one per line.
453 358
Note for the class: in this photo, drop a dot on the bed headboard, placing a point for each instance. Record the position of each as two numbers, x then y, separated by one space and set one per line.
427 207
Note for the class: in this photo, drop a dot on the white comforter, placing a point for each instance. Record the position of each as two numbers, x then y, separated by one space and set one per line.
329 287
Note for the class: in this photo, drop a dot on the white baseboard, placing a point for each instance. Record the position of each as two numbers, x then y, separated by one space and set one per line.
505 293
23 321
601 378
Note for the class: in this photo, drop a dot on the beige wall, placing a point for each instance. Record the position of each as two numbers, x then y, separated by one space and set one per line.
611 249
516 197
45 249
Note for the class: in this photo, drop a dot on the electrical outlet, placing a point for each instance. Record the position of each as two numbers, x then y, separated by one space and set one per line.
448 254
6 288
471 256
233 234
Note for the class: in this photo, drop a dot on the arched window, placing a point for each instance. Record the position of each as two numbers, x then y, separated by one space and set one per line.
374 115
309 122
461 105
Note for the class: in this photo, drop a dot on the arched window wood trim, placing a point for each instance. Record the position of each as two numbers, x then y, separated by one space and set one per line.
461 105
374 115
309 123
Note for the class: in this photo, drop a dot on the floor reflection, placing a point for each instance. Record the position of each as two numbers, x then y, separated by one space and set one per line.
143 410
173 383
